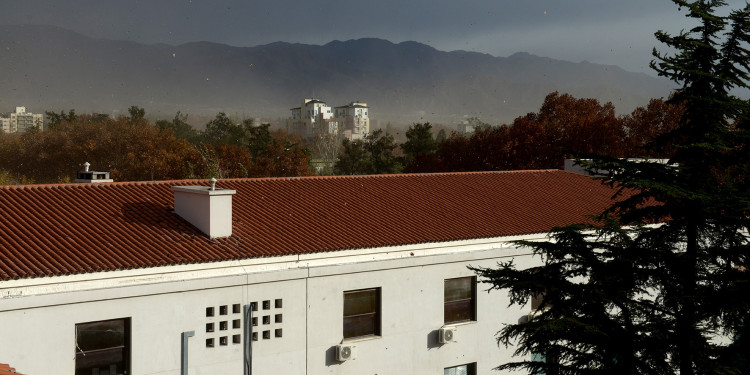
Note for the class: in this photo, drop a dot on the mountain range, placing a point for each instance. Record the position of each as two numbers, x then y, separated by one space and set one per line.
49 68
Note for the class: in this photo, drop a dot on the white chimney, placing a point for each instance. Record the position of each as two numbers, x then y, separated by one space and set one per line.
206 207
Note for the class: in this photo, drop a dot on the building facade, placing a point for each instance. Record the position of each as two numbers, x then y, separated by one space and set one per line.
354 119
268 275
21 121
311 116
351 121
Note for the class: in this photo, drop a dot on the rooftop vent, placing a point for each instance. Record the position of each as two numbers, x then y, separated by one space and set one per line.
88 176
208 208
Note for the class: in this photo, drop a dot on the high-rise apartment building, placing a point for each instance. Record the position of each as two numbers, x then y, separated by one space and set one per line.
21 121
307 117
352 120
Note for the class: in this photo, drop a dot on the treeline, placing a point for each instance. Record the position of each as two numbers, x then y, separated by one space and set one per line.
134 149
564 127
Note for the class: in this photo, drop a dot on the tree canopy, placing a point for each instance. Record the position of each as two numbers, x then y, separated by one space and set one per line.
563 127
671 297
371 155
419 145
133 149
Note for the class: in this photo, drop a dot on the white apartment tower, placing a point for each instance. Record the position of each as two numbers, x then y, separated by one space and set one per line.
307 117
21 121
354 118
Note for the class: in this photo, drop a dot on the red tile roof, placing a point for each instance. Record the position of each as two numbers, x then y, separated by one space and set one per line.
7 370
48 230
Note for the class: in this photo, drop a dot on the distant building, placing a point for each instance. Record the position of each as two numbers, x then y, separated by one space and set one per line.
20 121
354 119
307 117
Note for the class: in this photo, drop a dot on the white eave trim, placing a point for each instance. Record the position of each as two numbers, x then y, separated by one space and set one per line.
152 275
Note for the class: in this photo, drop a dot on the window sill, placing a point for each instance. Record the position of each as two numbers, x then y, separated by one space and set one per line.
461 323
361 338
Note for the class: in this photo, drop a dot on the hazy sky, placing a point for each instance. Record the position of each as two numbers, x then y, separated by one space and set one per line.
618 32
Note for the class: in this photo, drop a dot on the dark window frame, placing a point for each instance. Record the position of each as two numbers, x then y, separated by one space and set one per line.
84 357
470 303
471 368
349 321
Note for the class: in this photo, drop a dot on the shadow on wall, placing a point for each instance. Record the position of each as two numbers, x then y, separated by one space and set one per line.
331 357
433 341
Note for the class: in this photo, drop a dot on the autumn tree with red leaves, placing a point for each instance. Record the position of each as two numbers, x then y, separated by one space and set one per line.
564 127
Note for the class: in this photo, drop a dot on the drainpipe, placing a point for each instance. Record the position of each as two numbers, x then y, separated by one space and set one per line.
248 363
184 353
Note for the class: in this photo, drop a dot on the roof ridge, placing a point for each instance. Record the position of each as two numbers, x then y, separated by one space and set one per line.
206 180
395 175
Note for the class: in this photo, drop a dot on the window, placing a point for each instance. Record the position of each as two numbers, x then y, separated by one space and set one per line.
467 369
103 347
460 300
362 313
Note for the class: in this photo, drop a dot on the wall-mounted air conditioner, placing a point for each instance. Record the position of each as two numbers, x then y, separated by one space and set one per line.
447 334
344 352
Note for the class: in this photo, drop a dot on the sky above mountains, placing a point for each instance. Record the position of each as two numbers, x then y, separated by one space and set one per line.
616 32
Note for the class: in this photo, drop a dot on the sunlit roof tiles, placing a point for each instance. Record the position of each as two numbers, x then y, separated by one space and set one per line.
48 230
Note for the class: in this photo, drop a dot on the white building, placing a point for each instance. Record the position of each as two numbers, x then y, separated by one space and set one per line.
309 116
5 124
354 119
21 121
313 275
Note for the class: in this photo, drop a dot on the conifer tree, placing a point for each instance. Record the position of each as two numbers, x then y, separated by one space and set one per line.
659 285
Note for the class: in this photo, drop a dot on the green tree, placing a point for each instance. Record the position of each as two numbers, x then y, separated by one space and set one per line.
137 114
671 298
180 128
258 139
380 146
371 155
54 119
222 130
419 145
353 159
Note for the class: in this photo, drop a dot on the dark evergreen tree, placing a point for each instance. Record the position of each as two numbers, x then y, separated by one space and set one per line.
54 119
180 128
371 155
419 145
137 114
223 130
671 297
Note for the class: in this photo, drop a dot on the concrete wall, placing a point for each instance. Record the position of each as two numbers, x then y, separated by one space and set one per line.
37 323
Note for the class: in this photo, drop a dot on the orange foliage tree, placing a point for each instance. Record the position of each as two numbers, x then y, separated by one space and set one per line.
129 150
133 149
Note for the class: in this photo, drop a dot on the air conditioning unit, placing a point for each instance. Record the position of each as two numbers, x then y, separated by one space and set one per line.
447 334
344 352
